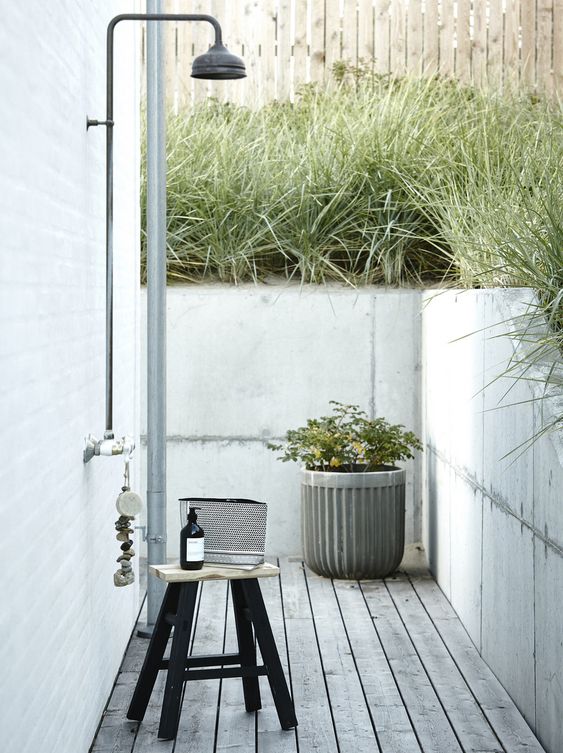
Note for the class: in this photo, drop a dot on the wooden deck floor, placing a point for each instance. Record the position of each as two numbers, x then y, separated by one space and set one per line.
376 666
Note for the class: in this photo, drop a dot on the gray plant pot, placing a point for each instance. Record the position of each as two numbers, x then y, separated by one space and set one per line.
353 524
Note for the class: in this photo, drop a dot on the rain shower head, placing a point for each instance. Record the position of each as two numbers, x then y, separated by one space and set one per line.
218 64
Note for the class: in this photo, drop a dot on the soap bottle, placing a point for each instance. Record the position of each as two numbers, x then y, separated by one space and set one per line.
191 543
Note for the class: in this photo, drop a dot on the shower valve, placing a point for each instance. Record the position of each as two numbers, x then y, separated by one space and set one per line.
124 446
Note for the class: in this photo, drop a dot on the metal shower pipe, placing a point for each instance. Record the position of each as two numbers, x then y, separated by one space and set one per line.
108 122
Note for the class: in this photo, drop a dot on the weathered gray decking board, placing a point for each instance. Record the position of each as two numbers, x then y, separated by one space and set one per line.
376 666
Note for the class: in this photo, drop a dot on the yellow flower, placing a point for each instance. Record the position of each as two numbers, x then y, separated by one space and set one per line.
317 453
335 462
358 447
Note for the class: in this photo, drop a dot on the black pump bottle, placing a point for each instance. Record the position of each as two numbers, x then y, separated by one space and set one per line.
191 543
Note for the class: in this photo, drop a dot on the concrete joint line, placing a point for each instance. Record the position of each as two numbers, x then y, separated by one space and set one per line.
461 473
195 438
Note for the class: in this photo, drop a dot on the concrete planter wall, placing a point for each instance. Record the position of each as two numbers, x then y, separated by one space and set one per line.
353 524
493 521
247 363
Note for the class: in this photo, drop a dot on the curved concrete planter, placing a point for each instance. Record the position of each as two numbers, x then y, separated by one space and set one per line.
353 524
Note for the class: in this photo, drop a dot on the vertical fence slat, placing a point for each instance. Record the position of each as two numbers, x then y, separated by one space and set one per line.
414 37
558 47
220 9
284 86
431 40
332 35
267 51
398 38
494 43
317 51
446 39
300 45
511 58
381 36
543 48
143 91
528 50
463 50
184 81
479 49
366 48
169 29
350 32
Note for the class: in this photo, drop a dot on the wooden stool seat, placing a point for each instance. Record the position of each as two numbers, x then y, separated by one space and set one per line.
252 625
175 574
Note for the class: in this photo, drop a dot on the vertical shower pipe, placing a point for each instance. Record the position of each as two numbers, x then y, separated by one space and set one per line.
156 311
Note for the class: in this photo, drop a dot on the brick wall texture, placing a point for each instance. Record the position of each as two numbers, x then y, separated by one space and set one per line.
63 625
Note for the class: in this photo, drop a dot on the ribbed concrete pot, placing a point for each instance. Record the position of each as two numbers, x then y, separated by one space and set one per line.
353 524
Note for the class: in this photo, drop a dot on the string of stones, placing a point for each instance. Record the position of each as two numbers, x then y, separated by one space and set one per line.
128 504
125 575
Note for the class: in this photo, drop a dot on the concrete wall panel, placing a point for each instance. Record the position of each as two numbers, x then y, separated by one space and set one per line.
466 554
513 494
246 364
549 645
508 605
508 420
438 542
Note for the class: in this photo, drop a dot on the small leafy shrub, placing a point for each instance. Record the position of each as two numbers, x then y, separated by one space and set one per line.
347 441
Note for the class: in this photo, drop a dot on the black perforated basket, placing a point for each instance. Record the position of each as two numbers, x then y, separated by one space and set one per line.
234 529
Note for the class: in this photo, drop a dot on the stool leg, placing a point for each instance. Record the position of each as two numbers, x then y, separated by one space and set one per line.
265 638
155 652
246 647
170 715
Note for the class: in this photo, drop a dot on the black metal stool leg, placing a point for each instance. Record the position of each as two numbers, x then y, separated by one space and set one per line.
170 714
246 646
155 652
276 677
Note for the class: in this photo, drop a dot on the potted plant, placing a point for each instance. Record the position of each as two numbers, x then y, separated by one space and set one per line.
352 493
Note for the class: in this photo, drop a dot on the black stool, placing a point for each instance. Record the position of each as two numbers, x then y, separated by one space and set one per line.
177 611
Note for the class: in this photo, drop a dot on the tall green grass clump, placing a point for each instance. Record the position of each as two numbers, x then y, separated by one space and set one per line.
385 181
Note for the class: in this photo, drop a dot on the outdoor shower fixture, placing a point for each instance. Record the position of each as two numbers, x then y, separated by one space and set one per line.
216 64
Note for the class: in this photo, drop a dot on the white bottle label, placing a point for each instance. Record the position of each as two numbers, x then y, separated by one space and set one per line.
194 549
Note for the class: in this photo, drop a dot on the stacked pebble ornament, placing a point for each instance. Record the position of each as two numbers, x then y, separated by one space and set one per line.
128 505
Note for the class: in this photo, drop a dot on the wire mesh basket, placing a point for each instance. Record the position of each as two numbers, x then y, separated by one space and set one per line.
234 529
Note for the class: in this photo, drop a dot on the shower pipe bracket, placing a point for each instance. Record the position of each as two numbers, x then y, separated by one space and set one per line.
108 447
91 122
155 539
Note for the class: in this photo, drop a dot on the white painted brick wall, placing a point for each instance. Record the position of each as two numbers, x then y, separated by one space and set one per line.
63 625
247 363
493 525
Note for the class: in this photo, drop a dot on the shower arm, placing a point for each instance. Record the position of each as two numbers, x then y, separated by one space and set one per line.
93 446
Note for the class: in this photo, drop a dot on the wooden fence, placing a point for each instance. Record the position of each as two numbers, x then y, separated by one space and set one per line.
288 43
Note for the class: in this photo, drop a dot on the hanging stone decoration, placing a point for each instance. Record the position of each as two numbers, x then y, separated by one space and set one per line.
128 505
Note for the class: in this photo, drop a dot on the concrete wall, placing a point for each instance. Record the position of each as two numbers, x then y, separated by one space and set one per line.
245 364
493 525
63 625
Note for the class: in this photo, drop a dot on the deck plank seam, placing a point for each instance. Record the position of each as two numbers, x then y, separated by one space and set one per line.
321 659
280 583
218 712
391 670
427 673
356 667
